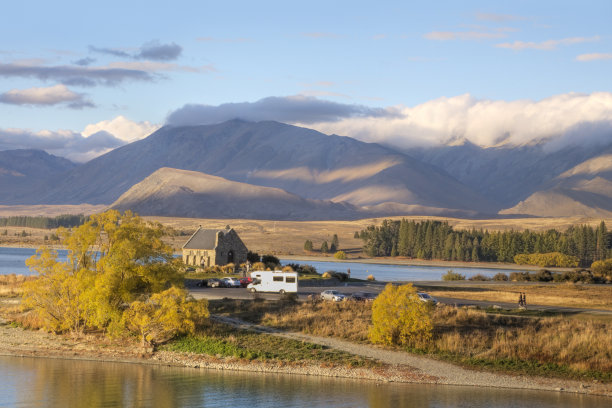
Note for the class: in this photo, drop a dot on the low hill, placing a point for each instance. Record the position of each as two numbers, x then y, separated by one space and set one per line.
585 190
183 193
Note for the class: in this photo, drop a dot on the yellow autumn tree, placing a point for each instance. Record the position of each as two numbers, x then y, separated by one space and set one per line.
164 315
113 260
400 317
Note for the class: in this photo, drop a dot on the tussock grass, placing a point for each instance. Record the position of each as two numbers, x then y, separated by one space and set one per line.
12 285
559 346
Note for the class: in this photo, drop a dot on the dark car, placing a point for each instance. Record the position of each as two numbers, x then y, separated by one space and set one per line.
215 283
363 296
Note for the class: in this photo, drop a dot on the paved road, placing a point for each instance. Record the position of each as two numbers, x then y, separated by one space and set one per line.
241 293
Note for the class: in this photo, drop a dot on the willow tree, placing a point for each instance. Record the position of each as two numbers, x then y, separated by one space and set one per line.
400 317
113 260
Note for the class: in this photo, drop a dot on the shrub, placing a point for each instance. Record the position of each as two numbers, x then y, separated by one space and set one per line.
287 268
520 277
340 255
603 268
452 276
480 277
550 259
399 317
328 275
543 275
253 257
500 277
258 266
370 278
307 269
270 261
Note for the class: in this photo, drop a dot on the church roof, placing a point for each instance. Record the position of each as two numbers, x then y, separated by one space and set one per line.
203 239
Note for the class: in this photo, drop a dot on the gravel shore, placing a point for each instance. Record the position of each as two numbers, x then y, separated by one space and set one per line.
398 366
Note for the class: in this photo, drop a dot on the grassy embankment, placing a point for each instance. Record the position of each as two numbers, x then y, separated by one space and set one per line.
550 346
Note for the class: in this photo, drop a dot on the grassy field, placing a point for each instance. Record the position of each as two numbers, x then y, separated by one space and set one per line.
560 294
288 237
558 346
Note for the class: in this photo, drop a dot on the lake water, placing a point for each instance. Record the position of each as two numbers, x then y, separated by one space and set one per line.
387 273
38 382
12 260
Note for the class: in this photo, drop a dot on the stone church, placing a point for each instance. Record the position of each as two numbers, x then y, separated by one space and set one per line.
208 247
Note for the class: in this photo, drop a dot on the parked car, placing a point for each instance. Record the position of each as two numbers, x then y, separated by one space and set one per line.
215 283
425 297
244 282
332 295
202 283
231 282
363 296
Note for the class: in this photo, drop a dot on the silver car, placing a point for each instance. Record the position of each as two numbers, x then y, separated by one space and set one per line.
425 297
333 295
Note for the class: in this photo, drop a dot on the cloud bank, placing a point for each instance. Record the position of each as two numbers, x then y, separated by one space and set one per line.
291 109
93 141
558 120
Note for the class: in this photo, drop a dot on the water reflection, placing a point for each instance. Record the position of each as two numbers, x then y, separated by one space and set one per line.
29 382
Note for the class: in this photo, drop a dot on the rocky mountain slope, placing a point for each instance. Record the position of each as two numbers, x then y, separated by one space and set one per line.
27 172
585 189
270 154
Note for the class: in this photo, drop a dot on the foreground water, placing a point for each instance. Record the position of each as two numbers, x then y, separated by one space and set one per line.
36 382
12 260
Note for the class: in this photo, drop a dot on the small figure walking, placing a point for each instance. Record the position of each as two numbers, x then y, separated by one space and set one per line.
520 301
524 300
348 272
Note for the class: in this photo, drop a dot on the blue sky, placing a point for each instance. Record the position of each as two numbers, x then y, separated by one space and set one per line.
67 65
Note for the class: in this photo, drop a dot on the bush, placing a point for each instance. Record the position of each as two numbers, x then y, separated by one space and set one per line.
371 278
550 259
500 277
399 317
603 268
480 277
341 276
308 245
520 277
340 255
253 257
452 276
543 275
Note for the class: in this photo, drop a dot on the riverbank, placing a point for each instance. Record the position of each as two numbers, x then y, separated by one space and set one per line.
395 366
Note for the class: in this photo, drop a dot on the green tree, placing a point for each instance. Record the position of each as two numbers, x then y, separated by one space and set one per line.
400 317
335 244
308 245
324 247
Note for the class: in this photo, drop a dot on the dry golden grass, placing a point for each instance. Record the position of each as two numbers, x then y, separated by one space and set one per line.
288 237
11 284
582 345
564 294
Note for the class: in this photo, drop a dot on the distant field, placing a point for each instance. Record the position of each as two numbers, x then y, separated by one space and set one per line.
287 237
280 237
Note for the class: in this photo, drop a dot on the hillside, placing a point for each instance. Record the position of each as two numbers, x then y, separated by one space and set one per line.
298 160
27 172
585 190
182 193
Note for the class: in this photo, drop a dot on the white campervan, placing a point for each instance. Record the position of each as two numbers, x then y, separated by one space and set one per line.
274 281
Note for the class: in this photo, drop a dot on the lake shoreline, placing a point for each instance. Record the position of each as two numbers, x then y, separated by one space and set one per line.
17 342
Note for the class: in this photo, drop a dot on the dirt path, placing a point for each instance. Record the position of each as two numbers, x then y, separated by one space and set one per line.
444 373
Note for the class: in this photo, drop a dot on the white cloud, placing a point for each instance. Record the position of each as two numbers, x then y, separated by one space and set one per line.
546 45
46 96
122 128
561 119
594 57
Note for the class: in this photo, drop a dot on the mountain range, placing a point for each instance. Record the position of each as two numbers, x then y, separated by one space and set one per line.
239 169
